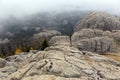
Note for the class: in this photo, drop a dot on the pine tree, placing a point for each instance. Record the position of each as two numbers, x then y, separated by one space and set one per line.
44 44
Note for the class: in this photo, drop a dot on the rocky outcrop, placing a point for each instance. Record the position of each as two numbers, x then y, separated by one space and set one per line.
98 20
116 36
60 40
87 33
46 34
39 38
60 62
97 44
94 40
97 32
67 58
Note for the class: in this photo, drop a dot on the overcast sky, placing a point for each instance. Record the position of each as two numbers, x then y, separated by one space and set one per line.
24 7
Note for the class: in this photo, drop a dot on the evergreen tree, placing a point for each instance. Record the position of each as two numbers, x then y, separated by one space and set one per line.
44 44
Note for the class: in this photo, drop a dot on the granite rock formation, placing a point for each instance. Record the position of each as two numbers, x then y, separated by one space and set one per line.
60 62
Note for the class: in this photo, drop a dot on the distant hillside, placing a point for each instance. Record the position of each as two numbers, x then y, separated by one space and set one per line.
63 22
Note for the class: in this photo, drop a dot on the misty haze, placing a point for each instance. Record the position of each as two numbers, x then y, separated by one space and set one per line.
59 40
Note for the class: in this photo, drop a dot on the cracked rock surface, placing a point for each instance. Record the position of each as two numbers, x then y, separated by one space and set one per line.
95 40
59 62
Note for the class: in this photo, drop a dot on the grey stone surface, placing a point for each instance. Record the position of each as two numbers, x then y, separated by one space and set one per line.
94 40
61 62
98 20
60 40
2 62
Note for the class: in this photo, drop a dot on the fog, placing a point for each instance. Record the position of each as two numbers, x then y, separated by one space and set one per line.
21 8
25 7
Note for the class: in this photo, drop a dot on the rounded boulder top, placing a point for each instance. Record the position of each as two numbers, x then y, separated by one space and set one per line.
98 20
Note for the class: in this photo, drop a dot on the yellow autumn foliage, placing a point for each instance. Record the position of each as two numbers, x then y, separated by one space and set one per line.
17 51
31 48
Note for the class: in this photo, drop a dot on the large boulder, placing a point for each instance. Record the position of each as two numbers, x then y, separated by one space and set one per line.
97 44
86 33
60 40
46 34
38 38
98 20
94 40
116 36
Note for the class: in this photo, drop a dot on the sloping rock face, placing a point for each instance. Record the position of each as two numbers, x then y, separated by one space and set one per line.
60 62
95 40
99 20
